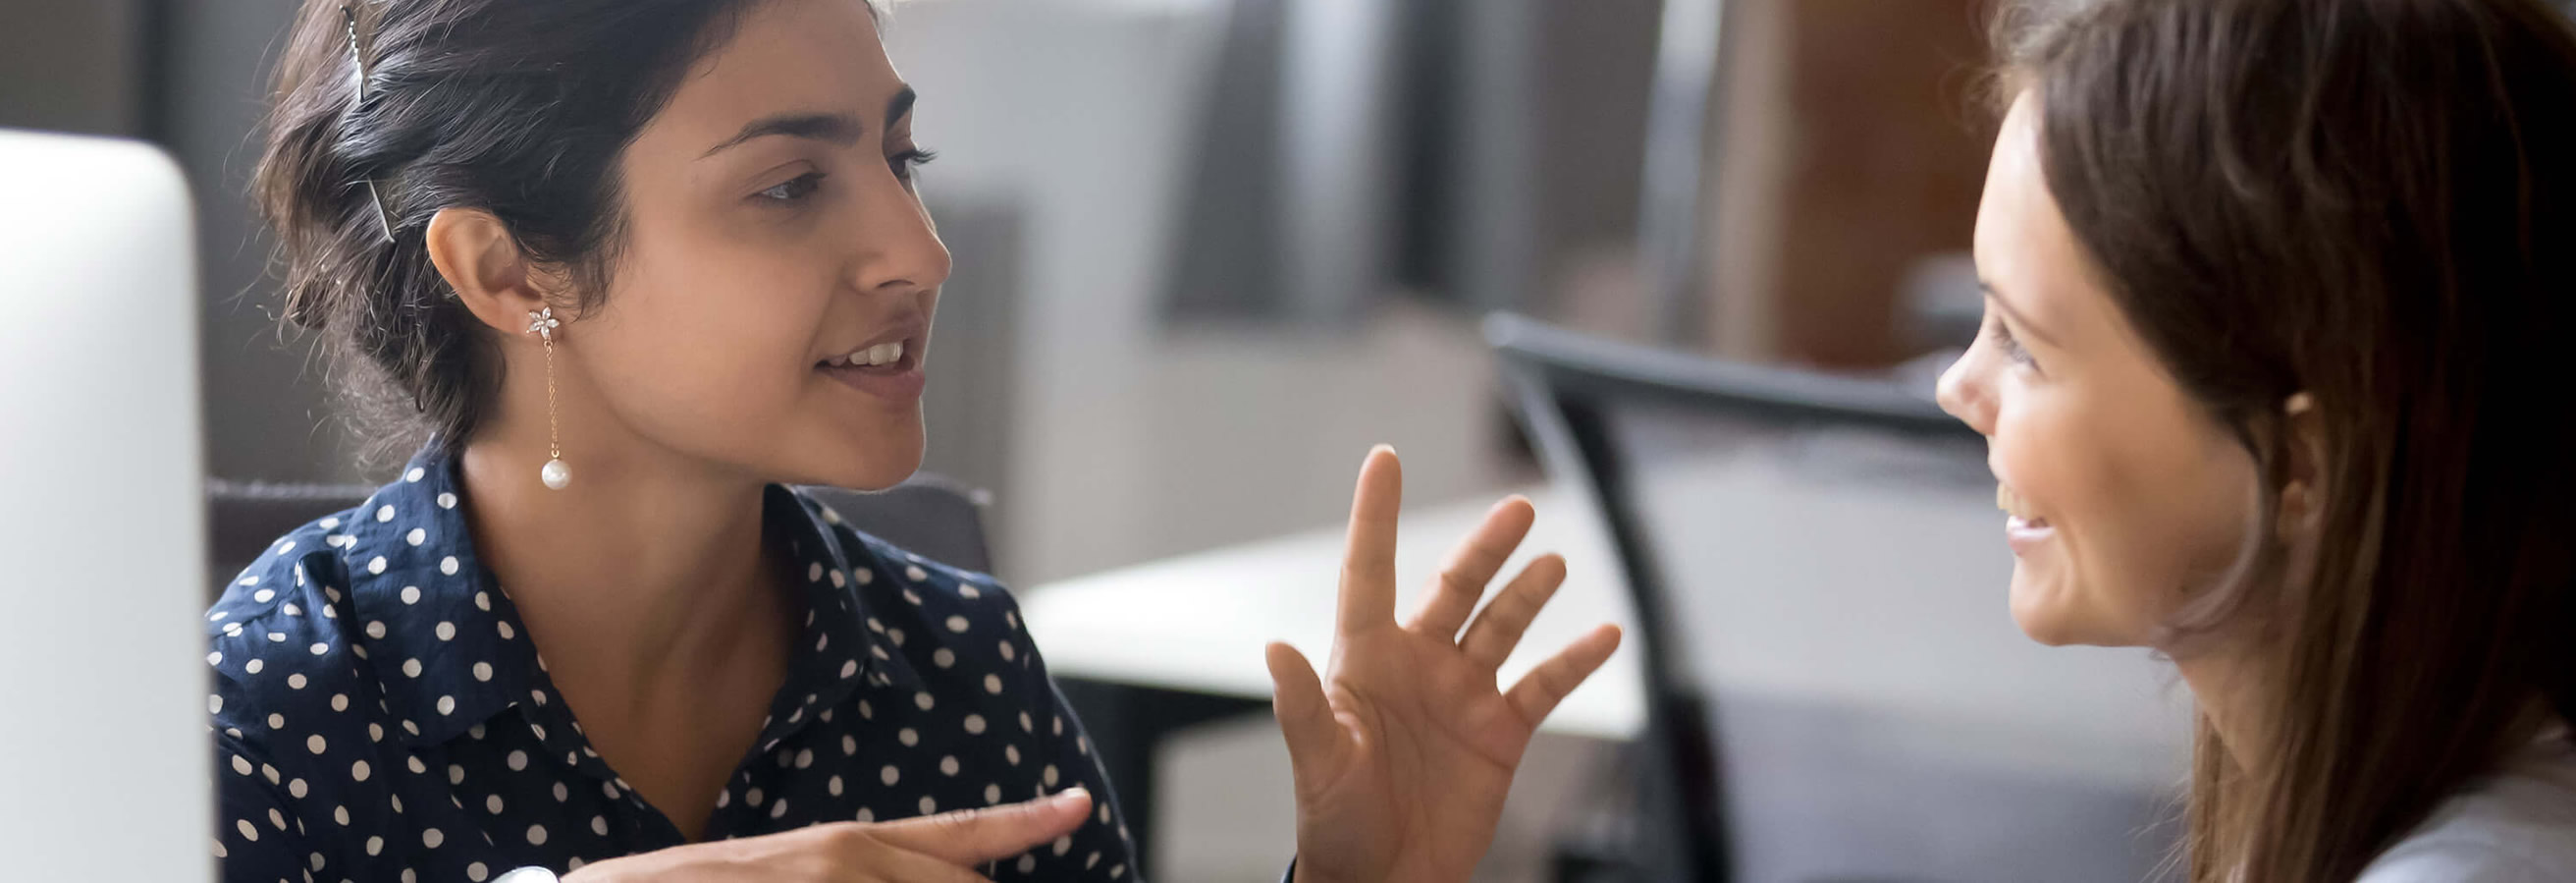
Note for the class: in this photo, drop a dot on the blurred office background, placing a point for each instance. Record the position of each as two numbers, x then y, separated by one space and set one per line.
1209 250
1195 235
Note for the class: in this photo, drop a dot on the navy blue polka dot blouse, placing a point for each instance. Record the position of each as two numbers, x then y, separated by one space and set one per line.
380 714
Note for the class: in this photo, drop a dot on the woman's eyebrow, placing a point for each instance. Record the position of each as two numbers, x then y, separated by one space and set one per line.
838 129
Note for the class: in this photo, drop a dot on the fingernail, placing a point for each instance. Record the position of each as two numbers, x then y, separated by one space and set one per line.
1067 795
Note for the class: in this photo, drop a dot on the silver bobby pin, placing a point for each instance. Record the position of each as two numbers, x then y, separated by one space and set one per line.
358 68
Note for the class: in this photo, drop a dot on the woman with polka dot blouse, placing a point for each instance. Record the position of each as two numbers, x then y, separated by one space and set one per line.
622 271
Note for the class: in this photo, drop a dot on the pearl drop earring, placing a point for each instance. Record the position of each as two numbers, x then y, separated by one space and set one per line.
556 475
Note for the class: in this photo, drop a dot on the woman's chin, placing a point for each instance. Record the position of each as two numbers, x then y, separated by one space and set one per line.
2058 613
2043 609
879 461
878 471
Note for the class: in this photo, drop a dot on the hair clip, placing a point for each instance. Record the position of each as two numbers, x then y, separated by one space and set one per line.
358 87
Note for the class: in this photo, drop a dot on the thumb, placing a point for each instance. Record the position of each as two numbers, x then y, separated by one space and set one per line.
1297 698
975 836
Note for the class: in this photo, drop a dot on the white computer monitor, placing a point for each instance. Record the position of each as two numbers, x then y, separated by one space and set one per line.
103 753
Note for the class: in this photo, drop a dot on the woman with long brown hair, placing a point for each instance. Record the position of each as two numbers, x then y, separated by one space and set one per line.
2274 381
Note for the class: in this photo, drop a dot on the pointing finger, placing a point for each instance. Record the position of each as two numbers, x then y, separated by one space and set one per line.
976 836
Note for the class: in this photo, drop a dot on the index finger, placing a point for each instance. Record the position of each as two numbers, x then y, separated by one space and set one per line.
975 836
1368 556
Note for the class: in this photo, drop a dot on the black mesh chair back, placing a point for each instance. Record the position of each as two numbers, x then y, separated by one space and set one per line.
1835 688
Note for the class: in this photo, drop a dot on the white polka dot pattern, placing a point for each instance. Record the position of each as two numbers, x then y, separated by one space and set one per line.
404 730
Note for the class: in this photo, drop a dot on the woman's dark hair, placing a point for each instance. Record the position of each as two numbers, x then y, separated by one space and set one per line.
514 107
2372 202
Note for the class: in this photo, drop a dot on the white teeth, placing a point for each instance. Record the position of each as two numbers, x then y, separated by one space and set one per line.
876 356
2012 504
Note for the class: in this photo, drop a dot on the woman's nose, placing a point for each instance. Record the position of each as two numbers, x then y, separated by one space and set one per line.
1963 393
900 245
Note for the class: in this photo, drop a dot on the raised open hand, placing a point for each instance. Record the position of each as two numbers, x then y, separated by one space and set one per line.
1404 752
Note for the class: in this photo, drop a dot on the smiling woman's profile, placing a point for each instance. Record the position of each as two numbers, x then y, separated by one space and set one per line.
2272 383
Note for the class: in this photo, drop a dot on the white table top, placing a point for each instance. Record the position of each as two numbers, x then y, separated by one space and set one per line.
1199 622
1879 600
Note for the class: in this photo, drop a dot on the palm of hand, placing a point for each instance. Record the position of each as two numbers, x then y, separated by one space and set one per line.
1404 755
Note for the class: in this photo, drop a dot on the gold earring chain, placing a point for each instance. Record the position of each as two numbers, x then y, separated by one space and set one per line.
554 438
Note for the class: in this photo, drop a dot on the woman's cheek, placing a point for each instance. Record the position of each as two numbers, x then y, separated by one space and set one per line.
2060 594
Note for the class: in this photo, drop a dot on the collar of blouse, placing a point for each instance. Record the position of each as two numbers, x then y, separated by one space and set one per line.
454 653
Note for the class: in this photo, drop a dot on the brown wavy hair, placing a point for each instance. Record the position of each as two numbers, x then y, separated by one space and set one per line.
2372 202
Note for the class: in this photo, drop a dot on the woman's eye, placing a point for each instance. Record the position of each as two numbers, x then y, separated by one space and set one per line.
2012 348
794 190
906 162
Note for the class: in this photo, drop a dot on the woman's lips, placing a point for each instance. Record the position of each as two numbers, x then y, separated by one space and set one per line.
2026 537
899 381
2024 533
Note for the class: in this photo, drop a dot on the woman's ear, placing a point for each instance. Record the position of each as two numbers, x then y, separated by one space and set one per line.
2303 490
473 251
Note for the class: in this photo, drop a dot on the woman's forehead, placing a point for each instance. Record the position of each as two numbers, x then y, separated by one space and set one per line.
2022 245
784 56
2026 250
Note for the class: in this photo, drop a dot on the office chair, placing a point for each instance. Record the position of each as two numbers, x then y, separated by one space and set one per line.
1814 780
1561 384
